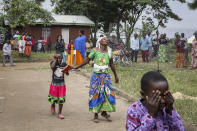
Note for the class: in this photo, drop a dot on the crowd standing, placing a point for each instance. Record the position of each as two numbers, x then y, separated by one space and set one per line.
154 111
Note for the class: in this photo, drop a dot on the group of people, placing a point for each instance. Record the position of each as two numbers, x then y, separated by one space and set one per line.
24 44
79 48
154 111
159 46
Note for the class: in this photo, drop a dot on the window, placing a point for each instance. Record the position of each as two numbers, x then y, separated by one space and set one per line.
46 32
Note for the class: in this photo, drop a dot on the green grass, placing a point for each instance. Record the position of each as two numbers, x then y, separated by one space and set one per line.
180 80
34 56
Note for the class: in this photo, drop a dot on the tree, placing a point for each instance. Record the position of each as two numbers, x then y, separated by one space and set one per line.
193 5
24 12
101 12
68 7
115 12
148 10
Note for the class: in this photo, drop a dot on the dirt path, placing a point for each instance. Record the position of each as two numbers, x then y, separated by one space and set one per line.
25 88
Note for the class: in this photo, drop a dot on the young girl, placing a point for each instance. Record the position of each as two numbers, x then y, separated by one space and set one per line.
70 59
28 47
57 90
101 94
21 48
154 111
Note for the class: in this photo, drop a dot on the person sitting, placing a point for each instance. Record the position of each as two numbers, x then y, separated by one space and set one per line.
154 111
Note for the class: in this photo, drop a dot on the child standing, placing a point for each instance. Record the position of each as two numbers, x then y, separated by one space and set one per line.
57 90
7 53
70 59
28 47
21 48
154 111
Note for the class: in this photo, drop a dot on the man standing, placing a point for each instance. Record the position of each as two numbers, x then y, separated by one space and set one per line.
144 48
7 53
149 40
79 46
184 40
135 46
167 45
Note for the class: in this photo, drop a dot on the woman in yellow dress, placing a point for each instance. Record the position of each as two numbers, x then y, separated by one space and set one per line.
70 60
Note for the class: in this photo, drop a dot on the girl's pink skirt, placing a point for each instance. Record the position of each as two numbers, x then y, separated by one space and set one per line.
57 93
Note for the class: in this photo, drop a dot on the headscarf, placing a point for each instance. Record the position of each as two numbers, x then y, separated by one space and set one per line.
109 50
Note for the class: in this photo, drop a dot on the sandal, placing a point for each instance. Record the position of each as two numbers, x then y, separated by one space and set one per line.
96 120
60 116
52 110
106 116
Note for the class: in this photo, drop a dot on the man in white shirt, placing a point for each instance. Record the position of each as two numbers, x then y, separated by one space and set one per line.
134 45
7 53
149 38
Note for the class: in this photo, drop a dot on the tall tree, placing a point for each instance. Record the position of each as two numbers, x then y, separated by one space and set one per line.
193 5
23 12
101 12
68 7
154 10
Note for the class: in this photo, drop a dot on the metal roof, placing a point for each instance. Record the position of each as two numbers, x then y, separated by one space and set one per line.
71 20
68 20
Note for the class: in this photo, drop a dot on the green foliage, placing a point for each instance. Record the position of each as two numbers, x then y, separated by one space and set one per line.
107 12
68 7
193 5
23 12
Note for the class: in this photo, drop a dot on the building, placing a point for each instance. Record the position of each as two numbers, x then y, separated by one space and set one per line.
67 25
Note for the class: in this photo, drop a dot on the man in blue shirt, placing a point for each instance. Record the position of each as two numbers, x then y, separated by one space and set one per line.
144 48
150 39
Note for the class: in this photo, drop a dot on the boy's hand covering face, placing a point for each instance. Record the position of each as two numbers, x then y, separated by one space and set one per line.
153 102
169 101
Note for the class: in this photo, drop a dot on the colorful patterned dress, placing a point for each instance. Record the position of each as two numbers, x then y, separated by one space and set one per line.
70 59
28 48
57 90
162 53
138 119
194 54
101 93
180 54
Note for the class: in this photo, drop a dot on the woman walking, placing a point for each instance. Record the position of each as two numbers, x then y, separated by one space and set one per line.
162 53
194 52
101 93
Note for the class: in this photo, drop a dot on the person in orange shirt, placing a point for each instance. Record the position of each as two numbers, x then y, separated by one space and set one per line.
70 59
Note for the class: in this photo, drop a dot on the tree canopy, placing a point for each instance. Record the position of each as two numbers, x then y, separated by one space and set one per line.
193 5
23 12
121 14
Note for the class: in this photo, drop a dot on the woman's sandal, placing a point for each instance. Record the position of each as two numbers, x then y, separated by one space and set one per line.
96 120
106 116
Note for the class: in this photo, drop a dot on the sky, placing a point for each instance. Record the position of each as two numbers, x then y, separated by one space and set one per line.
187 25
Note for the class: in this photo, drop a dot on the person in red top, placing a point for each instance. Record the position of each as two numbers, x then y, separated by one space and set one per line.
180 54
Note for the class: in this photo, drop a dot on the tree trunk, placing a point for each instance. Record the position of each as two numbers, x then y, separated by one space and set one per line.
95 32
118 29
